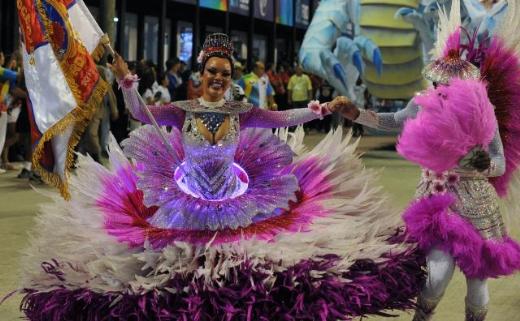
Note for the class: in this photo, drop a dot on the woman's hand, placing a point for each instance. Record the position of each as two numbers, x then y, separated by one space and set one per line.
345 107
119 67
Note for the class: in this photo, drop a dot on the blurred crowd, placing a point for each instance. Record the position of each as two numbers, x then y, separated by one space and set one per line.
269 86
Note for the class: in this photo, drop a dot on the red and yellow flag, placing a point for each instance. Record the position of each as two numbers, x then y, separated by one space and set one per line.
60 38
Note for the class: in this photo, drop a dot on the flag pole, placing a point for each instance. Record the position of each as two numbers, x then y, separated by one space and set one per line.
147 111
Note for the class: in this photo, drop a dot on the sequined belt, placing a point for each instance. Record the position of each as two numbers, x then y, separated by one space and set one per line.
477 200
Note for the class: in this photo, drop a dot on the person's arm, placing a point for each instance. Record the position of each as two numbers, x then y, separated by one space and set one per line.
385 121
8 74
262 118
166 115
498 160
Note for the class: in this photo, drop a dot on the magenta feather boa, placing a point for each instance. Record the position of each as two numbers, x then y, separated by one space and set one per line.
453 120
430 222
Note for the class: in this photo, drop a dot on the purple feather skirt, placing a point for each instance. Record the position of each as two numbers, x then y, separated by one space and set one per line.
322 256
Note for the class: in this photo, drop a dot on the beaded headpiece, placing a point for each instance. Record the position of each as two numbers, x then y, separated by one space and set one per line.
216 45
451 66
449 50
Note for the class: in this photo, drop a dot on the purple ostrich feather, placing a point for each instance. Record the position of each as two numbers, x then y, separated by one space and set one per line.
297 294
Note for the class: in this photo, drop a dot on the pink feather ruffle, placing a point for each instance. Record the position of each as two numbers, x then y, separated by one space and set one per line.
453 120
430 222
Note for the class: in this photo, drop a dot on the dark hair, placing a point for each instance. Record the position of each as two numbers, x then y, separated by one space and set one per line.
146 76
160 77
172 62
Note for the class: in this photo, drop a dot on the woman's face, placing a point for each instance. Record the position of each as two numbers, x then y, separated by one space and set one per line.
216 78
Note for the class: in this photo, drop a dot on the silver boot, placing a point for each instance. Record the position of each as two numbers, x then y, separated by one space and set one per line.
475 312
425 307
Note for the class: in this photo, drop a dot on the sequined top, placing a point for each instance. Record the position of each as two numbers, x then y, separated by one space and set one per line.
395 122
208 170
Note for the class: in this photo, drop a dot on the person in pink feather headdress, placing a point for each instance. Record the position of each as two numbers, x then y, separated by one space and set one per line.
462 132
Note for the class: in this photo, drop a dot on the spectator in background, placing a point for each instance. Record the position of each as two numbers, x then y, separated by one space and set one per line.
23 128
173 68
145 89
182 90
278 86
238 71
257 88
325 93
299 89
285 75
146 83
194 85
8 80
110 111
120 126
14 106
91 141
316 82
160 90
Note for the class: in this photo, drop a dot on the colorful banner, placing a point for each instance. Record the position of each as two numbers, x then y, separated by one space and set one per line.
214 4
264 9
61 77
302 13
239 6
285 12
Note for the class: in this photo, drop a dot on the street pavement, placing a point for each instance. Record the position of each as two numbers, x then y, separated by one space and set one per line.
19 203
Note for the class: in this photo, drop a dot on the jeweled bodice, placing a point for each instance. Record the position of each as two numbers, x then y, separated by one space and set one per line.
208 167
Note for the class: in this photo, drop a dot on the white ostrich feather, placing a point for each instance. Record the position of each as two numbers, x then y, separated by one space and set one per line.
448 23
509 26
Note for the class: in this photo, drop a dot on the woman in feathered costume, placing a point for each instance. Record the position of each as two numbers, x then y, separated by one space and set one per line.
223 221
468 155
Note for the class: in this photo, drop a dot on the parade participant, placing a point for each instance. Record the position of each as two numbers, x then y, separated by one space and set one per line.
226 219
475 237
257 88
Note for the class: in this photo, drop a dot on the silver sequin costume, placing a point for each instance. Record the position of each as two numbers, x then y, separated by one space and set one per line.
477 199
